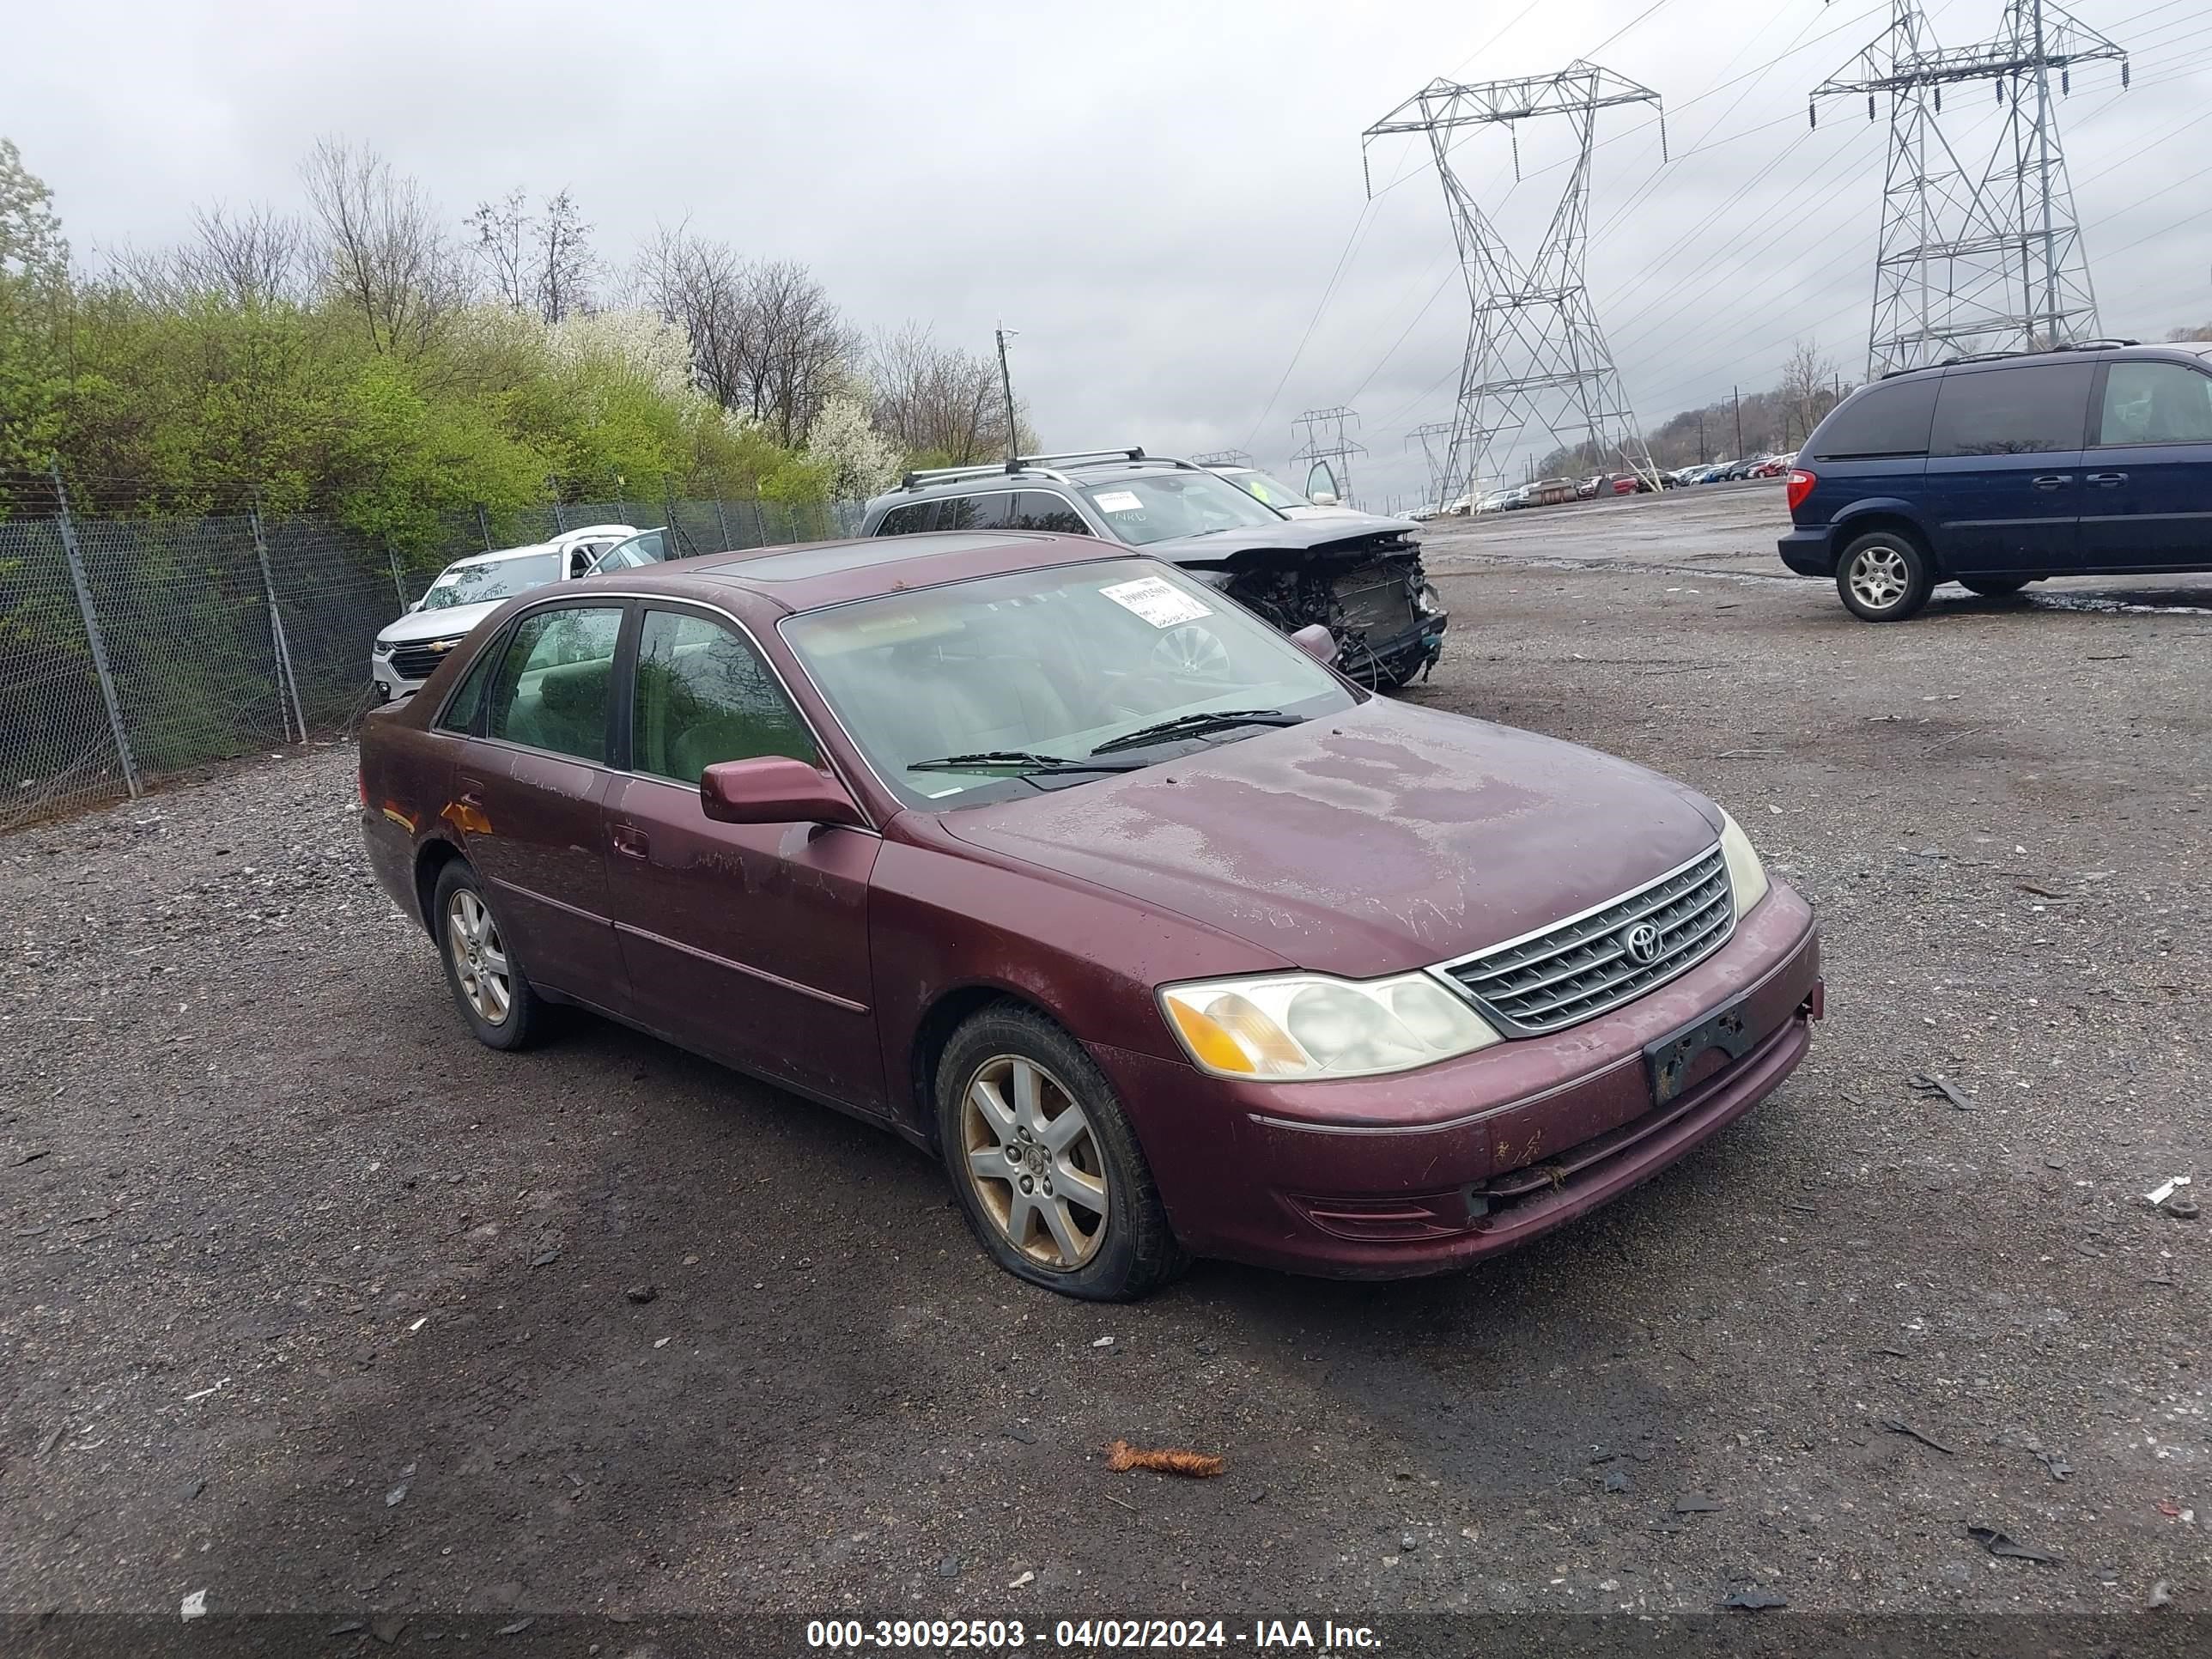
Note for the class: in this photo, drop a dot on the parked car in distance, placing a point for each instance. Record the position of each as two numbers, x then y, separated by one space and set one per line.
1160 960
465 591
1547 492
1997 471
1355 573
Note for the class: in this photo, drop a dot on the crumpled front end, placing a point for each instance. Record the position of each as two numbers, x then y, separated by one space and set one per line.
1368 590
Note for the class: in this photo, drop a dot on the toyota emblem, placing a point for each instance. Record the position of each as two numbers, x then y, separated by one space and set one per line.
1642 944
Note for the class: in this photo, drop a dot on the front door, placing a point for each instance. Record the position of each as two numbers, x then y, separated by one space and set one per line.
529 792
2148 474
744 942
2004 468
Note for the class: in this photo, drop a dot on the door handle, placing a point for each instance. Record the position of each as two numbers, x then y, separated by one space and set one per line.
2108 480
2054 480
632 842
471 792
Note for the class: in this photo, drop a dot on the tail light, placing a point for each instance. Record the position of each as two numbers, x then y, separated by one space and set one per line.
1800 486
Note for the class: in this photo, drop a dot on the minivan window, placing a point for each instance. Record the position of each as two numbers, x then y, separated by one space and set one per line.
2033 410
2155 403
551 692
1888 420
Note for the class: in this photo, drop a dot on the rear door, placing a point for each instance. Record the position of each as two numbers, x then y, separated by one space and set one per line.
528 794
746 942
2146 500
2004 467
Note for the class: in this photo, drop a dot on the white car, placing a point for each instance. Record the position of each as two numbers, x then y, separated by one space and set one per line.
408 652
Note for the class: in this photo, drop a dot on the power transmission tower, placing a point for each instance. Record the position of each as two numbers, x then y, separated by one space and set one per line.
1224 458
1975 256
1536 356
1435 440
1327 437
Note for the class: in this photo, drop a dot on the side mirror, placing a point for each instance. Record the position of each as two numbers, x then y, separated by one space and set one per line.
1317 642
413 608
773 790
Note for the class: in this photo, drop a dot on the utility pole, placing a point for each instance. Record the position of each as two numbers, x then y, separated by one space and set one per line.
1736 394
1536 361
1988 257
1701 437
1007 386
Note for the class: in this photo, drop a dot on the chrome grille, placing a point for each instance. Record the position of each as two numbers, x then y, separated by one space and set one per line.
419 658
1583 966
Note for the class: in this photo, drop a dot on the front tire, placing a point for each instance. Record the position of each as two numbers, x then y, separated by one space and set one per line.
489 988
1048 1171
1994 587
1883 576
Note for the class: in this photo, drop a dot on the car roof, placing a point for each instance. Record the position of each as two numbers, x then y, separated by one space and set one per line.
1032 472
816 573
2085 349
501 555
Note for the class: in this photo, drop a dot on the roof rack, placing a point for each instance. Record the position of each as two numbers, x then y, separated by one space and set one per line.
2094 345
929 475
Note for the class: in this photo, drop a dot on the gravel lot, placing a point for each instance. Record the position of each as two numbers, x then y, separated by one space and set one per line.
314 1305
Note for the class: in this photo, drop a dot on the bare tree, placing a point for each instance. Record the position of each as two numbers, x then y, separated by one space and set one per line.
386 256
502 247
795 345
936 400
700 285
1807 389
565 263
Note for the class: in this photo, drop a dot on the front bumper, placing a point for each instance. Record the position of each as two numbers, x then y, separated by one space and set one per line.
1807 552
1385 1177
391 685
1397 660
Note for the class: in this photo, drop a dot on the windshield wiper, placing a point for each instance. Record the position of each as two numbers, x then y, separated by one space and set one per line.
1183 725
1020 760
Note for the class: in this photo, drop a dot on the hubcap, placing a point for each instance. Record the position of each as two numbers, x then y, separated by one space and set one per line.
1033 1162
1878 577
479 956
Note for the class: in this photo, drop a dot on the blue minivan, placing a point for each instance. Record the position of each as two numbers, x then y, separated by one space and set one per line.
1997 471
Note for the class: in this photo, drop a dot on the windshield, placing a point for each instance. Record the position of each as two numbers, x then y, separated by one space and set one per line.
1143 507
477 584
1265 486
1048 665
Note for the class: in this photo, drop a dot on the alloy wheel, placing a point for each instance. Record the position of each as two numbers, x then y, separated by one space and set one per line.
1033 1161
479 956
1880 577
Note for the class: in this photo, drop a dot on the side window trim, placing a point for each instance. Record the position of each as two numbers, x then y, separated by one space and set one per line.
618 686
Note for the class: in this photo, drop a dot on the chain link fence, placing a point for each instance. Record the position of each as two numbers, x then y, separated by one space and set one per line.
135 648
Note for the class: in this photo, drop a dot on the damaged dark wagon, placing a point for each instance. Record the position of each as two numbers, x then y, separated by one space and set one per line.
1357 575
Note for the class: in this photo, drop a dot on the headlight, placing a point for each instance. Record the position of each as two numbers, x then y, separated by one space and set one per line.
1427 601
1311 1025
1746 875
382 648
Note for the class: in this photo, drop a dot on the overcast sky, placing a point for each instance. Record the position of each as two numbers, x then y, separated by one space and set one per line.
1156 196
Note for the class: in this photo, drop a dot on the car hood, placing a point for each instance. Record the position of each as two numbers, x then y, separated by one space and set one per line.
1345 533
449 624
1383 838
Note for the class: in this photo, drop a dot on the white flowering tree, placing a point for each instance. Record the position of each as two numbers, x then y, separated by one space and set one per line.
855 461
641 344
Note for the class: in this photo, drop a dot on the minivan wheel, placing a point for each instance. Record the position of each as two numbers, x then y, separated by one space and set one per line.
495 996
1883 577
1048 1171
1994 587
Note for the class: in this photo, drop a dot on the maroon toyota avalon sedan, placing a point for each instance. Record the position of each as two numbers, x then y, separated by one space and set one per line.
1166 938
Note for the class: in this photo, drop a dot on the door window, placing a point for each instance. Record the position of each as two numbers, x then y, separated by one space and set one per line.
1040 509
704 696
551 690
908 520
2155 403
1881 422
978 512
2029 410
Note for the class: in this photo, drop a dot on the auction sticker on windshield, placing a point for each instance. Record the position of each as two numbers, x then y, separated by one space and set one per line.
1159 601
1118 500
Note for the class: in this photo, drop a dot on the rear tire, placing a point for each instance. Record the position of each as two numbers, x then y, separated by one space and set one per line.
1883 576
1994 587
1048 1171
485 975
